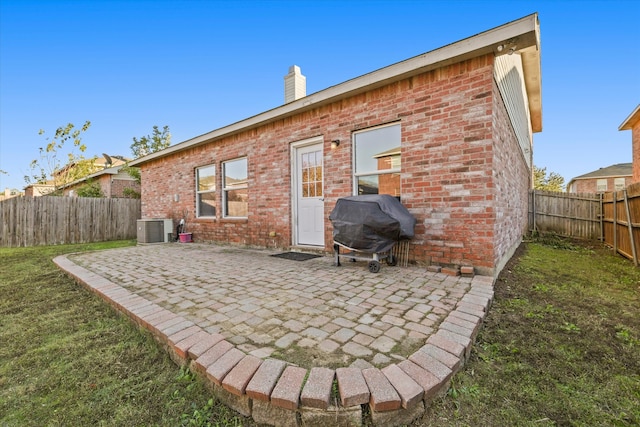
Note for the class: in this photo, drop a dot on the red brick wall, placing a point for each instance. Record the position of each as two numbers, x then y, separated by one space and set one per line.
446 166
119 185
448 179
512 180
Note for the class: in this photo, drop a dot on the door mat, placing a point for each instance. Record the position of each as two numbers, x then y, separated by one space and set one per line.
296 256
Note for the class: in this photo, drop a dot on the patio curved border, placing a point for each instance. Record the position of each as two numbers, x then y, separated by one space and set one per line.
274 392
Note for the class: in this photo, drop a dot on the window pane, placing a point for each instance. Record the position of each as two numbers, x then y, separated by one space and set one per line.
374 149
368 184
206 177
206 204
236 203
235 173
387 183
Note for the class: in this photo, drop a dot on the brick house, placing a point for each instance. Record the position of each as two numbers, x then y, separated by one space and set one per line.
107 173
450 132
113 182
632 123
612 178
37 190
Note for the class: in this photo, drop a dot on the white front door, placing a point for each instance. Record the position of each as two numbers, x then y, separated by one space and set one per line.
309 195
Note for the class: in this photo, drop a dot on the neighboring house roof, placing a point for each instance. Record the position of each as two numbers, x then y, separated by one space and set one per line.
107 171
521 36
48 184
613 171
393 152
97 163
630 121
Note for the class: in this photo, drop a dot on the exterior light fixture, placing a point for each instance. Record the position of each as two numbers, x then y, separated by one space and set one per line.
335 143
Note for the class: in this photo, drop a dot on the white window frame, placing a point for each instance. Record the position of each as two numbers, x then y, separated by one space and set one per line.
200 192
237 186
357 174
619 184
601 185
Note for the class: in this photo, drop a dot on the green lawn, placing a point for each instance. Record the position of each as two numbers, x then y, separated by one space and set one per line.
68 359
561 346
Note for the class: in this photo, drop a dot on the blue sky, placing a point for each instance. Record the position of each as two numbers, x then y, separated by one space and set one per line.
199 65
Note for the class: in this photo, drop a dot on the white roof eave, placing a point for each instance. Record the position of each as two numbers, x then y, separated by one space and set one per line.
522 34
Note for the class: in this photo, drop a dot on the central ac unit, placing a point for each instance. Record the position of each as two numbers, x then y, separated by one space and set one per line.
154 230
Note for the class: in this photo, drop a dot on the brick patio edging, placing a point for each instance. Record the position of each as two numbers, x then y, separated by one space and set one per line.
273 392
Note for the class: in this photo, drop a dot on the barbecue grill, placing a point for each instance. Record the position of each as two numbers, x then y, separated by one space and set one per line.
370 224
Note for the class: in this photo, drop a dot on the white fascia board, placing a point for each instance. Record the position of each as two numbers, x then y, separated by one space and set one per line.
631 120
520 34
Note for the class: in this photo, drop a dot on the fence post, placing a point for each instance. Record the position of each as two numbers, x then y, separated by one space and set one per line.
533 192
601 219
615 222
630 226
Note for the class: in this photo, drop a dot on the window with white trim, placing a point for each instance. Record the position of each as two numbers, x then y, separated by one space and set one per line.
619 184
601 185
377 160
235 191
206 191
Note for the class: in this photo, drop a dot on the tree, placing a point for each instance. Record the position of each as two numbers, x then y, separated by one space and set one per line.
90 189
49 167
151 143
141 147
553 182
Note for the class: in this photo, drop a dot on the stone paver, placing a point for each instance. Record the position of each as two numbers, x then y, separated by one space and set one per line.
236 381
383 396
265 379
224 310
286 393
409 391
317 390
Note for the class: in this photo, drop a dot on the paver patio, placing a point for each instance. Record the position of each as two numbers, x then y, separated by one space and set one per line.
264 304
240 307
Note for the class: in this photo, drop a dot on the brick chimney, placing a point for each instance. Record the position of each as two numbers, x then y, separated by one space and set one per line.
295 85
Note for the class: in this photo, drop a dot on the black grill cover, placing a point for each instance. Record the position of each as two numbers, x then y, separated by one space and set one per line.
371 223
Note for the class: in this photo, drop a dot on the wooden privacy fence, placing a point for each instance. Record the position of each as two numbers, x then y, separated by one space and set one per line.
566 214
32 221
611 217
621 221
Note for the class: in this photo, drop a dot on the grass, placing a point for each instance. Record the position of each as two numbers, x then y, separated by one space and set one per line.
67 359
560 347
